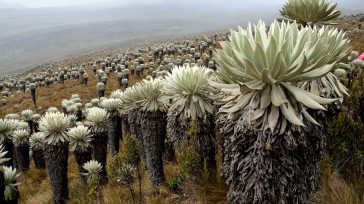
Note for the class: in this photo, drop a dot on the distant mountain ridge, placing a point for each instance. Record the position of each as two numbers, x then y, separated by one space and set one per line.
35 36
6 5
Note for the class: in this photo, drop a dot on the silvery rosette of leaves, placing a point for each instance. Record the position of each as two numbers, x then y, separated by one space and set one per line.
10 176
259 73
337 48
72 109
6 129
55 125
80 138
52 110
21 125
309 12
95 102
145 95
64 103
111 105
188 92
36 140
36 118
20 137
2 155
125 174
92 167
98 119
100 86
12 116
117 94
73 120
27 115
75 98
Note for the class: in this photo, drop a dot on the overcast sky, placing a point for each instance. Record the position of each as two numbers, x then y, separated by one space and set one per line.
56 3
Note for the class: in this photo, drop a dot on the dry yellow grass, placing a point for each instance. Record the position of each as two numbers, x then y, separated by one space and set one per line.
35 189
52 96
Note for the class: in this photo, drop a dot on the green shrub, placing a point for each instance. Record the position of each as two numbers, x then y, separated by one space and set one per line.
187 156
129 154
175 184
345 144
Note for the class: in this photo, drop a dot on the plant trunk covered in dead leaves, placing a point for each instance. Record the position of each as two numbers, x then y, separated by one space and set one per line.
38 157
81 157
134 127
56 157
153 129
178 127
100 154
261 167
2 186
22 156
114 134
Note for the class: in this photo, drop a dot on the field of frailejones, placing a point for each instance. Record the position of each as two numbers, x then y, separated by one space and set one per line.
35 185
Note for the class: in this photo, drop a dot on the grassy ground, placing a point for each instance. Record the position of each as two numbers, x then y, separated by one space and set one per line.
35 189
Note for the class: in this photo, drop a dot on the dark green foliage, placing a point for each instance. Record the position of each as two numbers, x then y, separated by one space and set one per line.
131 150
94 192
345 144
204 140
175 184
205 178
188 158
129 154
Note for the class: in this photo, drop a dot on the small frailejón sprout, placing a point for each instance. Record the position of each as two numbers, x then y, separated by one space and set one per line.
114 131
54 125
36 142
80 140
93 168
264 113
125 176
98 119
11 176
309 12
189 94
